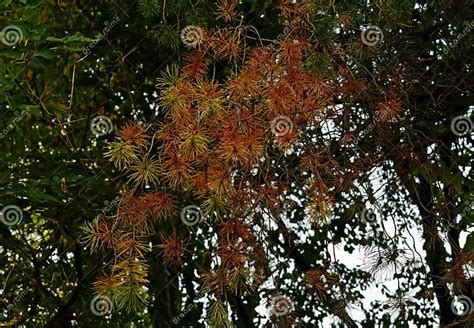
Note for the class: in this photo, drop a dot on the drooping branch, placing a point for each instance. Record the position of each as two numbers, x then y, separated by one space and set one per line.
422 197
303 264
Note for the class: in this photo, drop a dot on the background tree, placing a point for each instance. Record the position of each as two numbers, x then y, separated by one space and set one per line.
285 123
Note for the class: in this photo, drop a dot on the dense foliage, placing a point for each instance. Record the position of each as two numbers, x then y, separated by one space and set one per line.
272 163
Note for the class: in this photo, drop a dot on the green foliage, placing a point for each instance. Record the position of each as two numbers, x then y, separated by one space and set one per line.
150 8
72 65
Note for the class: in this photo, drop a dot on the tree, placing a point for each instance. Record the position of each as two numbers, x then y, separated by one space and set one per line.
283 136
